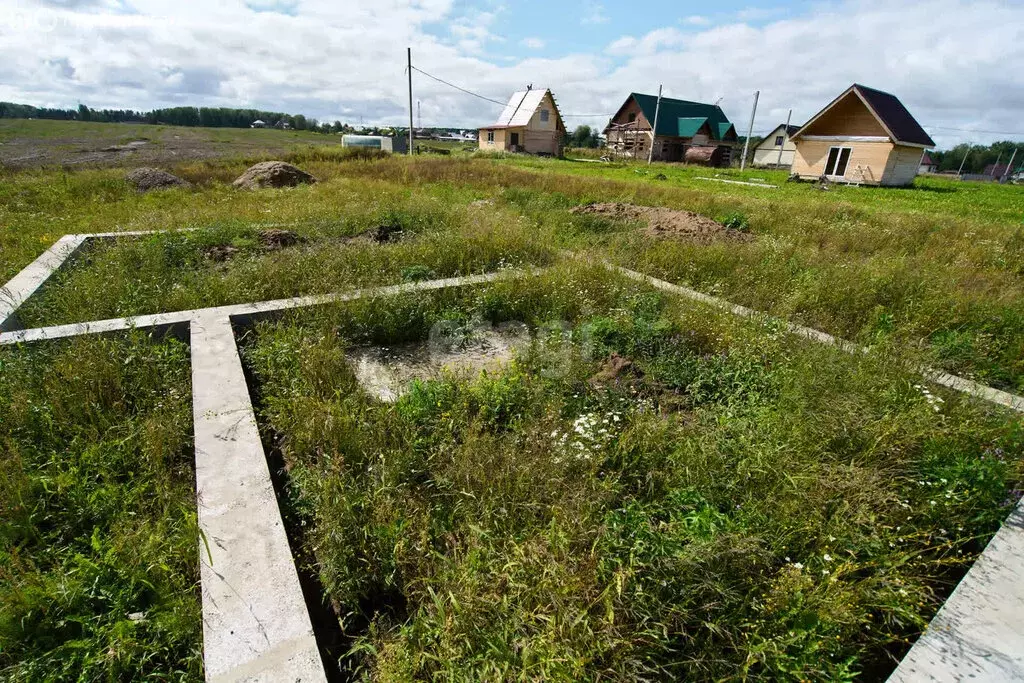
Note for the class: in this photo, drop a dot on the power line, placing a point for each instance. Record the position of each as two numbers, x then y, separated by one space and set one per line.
452 85
970 130
482 97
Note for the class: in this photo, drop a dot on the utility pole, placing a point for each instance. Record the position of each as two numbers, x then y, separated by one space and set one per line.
750 130
409 54
995 166
785 137
419 115
654 128
960 171
1009 166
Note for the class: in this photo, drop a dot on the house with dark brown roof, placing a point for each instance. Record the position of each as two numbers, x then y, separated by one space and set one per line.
863 136
928 164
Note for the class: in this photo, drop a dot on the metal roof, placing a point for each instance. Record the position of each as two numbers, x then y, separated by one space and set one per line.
689 125
520 108
673 112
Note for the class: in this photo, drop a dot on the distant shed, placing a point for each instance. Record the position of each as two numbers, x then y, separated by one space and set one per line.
382 142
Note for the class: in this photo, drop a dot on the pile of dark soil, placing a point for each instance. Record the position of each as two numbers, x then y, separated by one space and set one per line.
145 179
664 223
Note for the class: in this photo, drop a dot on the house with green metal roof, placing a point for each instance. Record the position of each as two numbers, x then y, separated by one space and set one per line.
685 131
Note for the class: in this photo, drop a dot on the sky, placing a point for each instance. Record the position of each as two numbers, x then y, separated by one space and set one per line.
957 66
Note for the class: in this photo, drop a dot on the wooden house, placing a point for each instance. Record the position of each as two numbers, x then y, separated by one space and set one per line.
766 154
928 164
530 123
681 126
863 136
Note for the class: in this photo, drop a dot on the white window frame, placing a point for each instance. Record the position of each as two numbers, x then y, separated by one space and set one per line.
490 137
839 155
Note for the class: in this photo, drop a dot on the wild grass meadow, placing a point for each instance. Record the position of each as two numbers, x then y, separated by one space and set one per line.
730 503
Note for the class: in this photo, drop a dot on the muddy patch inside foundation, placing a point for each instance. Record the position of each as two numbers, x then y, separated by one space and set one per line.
385 372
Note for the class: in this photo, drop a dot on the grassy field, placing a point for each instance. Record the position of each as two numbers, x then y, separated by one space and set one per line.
31 143
755 507
99 571
722 511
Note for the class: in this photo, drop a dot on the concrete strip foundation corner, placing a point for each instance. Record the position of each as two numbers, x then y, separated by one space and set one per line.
31 278
978 635
255 623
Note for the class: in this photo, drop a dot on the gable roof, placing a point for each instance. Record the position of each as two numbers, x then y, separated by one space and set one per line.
676 116
687 127
890 112
521 106
926 159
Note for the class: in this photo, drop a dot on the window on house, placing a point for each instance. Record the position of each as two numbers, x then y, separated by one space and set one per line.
632 117
490 137
838 160
778 141
544 113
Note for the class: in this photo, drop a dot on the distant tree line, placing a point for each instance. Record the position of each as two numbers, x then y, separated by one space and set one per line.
583 136
979 156
209 117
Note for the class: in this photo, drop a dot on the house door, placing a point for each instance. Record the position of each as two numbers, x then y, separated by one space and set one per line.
514 139
838 159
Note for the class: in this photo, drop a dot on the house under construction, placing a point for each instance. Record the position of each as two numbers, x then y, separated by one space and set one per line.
686 131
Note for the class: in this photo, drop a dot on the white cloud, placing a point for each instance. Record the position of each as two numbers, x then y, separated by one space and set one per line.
329 60
696 20
533 43
593 13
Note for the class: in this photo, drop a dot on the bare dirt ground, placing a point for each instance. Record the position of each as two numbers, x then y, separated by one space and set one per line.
666 223
36 143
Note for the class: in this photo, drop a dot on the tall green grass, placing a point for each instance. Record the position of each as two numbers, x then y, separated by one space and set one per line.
98 557
187 270
745 506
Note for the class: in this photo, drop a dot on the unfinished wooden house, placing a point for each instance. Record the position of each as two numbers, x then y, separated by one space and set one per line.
530 123
686 131
864 136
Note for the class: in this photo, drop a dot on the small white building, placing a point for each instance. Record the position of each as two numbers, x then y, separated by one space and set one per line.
258 124
927 165
766 154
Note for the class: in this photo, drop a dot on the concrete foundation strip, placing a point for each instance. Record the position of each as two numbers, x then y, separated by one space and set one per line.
736 182
961 384
255 623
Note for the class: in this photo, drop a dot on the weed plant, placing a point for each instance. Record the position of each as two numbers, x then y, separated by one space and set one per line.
98 536
737 504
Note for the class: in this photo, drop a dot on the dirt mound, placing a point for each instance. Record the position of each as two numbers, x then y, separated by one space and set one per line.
145 179
385 232
221 252
617 370
272 174
667 223
273 238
